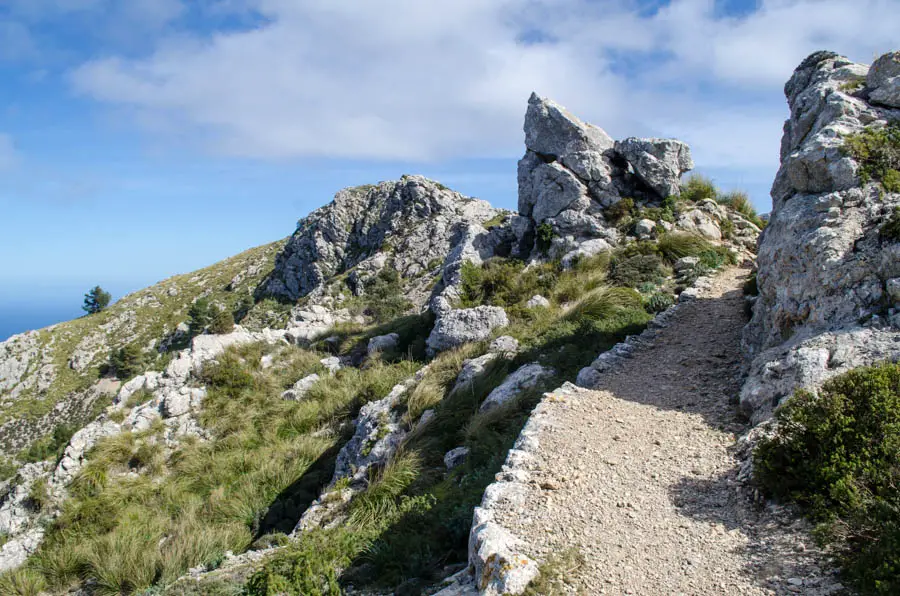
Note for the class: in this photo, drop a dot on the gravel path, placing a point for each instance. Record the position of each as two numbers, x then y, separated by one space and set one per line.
639 475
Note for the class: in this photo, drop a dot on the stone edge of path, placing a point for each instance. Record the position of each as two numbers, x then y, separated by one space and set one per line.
495 556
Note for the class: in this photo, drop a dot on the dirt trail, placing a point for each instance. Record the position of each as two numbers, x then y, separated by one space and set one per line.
640 477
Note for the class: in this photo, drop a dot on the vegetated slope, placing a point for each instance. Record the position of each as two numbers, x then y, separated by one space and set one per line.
49 377
357 433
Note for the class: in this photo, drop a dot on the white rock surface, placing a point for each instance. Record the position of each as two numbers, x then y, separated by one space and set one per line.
537 301
525 377
460 326
383 343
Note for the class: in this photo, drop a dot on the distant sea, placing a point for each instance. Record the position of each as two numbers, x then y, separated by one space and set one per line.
17 318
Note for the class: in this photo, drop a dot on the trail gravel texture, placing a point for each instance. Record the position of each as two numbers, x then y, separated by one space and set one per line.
640 476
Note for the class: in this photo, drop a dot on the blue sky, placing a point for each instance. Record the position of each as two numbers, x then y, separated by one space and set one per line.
144 138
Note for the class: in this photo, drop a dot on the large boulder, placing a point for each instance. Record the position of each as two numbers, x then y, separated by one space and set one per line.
460 326
824 269
883 80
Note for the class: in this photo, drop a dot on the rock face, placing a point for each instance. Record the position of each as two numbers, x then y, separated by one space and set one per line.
825 274
573 171
404 224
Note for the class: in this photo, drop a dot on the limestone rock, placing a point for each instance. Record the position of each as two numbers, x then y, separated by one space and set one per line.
658 162
526 377
644 227
586 249
383 343
686 264
883 80
332 363
411 222
701 223
504 345
824 272
538 301
301 388
460 326
472 369
456 457
550 129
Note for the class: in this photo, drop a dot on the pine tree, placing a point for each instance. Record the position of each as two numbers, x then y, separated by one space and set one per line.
96 300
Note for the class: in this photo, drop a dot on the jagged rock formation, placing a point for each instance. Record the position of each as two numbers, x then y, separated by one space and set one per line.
573 171
825 272
407 224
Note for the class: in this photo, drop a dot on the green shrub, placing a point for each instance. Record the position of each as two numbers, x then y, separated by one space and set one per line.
675 245
39 494
838 455
22 582
7 468
200 315
740 201
544 236
603 304
504 282
697 188
890 231
222 322
877 150
636 270
620 211
384 299
658 302
128 361
494 222
49 446
750 286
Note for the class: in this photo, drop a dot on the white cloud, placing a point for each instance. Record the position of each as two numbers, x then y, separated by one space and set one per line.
406 79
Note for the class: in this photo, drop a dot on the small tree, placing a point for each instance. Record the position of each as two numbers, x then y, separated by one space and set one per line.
223 322
96 300
200 315
127 362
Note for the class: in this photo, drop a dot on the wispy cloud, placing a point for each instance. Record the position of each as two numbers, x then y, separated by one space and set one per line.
403 79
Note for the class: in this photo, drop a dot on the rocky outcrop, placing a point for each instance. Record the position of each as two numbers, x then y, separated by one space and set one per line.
825 272
573 171
406 224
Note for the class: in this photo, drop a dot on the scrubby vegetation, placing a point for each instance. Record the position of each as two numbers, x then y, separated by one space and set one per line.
837 454
140 514
877 150
890 231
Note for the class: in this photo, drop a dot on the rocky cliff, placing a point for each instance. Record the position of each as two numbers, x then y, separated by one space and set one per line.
828 275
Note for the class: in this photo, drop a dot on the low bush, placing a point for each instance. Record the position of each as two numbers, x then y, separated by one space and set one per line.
544 237
890 230
504 282
636 270
7 468
128 361
22 582
740 201
877 150
384 299
658 302
697 188
222 322
676 245
603 304
620 211
200 315
50 446
837 454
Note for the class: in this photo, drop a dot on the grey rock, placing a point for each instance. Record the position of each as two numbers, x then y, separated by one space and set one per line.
700 223
893 289
686 264
472 369
538 301
414 219
525 377
550 129
504 345
556 189
659 163
883 80
461 326
456 457
644 227
332 363
586 249
383 343
301 388
823 269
